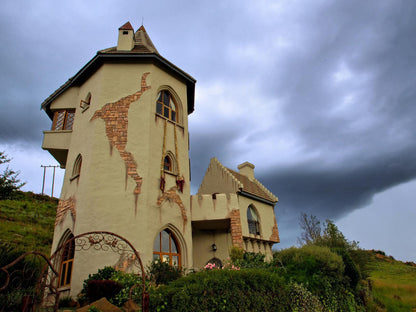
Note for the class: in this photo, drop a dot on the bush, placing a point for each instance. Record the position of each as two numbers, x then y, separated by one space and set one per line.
128 280
302 300
102 288
223 290
321 271
162 273
112 284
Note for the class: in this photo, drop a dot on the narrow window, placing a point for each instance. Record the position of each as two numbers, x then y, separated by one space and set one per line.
253 221
165 105
167 164
166 248
76 170
67 262
85 104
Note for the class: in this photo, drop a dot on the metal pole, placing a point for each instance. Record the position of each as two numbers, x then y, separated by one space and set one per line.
53 179
43 184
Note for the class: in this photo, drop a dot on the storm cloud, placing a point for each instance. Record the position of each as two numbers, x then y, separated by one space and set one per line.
319 95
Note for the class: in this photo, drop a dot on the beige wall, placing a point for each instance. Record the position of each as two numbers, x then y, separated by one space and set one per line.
203 240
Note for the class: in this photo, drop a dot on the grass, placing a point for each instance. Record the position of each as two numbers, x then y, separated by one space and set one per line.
27 223
394 283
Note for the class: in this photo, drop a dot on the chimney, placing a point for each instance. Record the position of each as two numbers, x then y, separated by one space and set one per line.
247 169
125 37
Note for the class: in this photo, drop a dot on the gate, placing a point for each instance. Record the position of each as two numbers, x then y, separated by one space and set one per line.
49 277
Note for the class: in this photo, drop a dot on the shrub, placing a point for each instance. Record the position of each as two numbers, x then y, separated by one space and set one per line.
321 272
162 273
102 288
128 280
223 290
302 300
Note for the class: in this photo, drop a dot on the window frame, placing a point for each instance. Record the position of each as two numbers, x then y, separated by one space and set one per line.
162 107
252 223
67 262
76 169
66 122
170 254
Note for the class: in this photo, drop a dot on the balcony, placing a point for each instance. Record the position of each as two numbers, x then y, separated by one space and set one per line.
57 143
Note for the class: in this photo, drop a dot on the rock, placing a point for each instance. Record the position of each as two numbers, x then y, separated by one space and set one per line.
103 305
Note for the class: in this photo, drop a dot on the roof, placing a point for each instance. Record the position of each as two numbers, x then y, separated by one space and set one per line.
126 26
220 179
253 187
143 51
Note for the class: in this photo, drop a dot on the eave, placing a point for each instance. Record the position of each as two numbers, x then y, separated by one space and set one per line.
261 199
100 58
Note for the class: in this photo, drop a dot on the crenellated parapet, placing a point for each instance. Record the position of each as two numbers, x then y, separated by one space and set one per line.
214 206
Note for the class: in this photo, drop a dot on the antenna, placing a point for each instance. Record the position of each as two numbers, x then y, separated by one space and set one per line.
142 21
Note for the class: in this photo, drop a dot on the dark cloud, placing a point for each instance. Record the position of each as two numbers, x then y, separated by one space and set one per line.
319 96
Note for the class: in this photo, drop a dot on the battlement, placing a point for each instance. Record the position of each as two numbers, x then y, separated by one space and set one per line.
213 206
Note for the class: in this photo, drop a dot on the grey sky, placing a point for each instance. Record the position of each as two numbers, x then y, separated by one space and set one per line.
319 95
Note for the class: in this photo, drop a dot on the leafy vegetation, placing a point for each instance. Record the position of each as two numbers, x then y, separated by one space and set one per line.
27 223
327 273
393 282
9 181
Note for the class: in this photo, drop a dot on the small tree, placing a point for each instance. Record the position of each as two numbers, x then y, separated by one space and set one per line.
311 227
9 181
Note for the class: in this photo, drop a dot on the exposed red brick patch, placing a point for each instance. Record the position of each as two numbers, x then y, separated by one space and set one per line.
275 233
171 196
115 116
236 232
65 205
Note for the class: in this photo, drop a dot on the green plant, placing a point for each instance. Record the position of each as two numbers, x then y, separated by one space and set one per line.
162 273
302 300
223 290
93 309
9 182
97 289
128 280
236 253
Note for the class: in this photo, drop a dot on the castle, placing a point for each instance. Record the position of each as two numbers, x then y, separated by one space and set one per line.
120 130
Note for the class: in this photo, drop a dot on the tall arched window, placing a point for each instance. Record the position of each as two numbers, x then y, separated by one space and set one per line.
253 221
166 248
165 105
67 261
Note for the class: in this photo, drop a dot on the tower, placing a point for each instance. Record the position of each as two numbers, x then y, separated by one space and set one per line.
120 130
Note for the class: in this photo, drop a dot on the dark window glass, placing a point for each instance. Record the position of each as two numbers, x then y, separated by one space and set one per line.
159 108
165 105
165 241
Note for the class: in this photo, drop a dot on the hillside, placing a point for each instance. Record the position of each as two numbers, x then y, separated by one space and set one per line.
393 282
27 223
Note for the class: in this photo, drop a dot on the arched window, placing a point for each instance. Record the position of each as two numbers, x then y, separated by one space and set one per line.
166 248
76 170
165 105
253 221
67 261
216 261
167 163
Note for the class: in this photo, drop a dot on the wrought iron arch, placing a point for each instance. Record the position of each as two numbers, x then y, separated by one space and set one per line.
98 240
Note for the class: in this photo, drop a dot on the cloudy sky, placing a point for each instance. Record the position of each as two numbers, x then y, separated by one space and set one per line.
319 95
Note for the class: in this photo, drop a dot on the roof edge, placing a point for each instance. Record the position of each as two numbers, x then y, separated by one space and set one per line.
101 57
